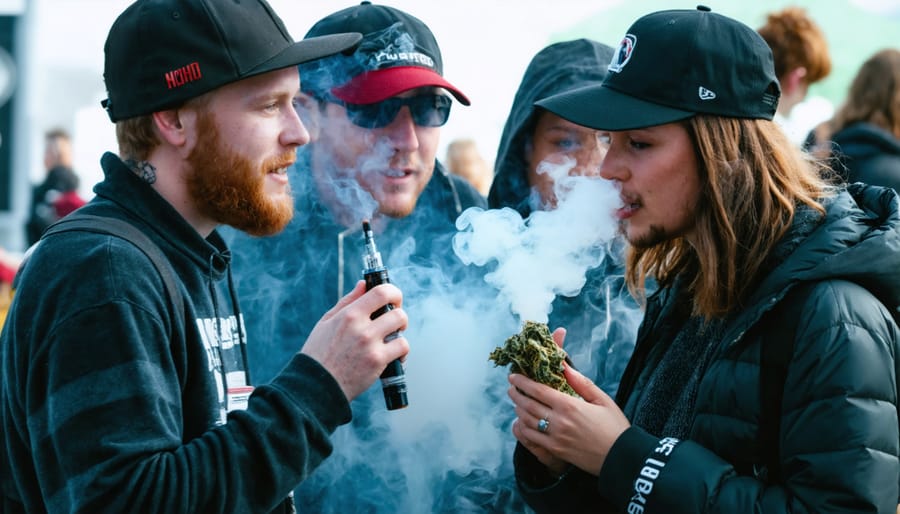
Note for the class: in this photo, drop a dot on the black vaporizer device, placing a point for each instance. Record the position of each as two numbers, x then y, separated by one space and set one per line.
393 380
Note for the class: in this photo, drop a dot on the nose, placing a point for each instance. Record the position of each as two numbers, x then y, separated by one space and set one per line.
294 133
611 167
402 131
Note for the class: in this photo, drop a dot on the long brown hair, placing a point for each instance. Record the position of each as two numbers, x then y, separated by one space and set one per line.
753 178
874 95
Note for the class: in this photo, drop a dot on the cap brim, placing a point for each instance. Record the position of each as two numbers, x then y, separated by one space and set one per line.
603 108
379 85
309 49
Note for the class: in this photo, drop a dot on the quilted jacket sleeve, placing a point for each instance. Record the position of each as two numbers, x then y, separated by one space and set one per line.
839 429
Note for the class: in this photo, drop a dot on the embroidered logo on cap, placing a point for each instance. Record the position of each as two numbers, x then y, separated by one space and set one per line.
183 75
623 54
391 47
706 94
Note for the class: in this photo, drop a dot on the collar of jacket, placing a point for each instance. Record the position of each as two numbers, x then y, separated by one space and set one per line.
156 217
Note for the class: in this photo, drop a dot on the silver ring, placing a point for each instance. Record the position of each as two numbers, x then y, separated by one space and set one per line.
543 425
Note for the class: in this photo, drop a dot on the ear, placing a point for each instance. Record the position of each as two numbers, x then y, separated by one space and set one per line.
796 78
170 126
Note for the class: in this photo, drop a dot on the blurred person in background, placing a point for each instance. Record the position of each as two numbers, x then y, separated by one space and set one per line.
802 58
9 265
465 160
57 195
863 138
536 145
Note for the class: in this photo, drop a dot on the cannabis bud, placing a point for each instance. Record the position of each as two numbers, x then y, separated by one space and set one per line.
533 353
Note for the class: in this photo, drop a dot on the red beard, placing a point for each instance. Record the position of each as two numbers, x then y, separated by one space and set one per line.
228 188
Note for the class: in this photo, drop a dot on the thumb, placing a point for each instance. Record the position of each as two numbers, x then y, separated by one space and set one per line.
559 335
585 388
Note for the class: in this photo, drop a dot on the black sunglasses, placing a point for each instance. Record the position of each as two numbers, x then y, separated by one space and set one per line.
426 110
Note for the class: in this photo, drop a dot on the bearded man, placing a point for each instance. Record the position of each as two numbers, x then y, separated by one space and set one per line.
112 397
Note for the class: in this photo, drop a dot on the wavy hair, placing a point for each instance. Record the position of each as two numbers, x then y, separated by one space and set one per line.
796 41
753 179
874 95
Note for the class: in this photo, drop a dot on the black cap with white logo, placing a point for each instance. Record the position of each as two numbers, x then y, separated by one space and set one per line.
672 65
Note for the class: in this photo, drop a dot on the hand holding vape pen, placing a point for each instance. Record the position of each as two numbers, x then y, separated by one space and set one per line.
393 381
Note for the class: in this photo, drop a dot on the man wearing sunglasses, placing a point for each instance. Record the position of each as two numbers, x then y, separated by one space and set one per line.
375 118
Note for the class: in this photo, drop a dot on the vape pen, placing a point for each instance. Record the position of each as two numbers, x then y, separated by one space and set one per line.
393 381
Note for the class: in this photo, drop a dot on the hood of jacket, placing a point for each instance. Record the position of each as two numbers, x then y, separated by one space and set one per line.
170 231
557 68
858 240
861 140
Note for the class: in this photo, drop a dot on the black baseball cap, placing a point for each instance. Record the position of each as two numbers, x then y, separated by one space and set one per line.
161 53
398 52
672 65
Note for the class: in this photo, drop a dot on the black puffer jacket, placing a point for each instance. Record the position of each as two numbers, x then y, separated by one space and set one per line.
839 441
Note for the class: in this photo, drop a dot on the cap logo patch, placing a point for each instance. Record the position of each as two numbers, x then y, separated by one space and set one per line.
416 57
183 75
706 94
390 47
623 53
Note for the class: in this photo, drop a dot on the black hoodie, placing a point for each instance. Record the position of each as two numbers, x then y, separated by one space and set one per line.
111 402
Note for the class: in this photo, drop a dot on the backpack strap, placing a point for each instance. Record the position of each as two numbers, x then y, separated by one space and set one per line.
128 232
776 353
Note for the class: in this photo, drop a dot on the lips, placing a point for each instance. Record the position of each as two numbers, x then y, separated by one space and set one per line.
629 207
279 173
398 175
280 168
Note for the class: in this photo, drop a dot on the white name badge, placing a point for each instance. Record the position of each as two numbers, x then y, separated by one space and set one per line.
238 397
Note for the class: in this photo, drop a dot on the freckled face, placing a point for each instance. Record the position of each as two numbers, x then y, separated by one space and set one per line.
657 171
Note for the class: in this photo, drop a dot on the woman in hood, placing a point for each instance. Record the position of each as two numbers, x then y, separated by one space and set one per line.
537 147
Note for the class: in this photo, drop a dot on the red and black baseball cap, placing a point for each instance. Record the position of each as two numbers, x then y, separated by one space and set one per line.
672 65
161 53
398 52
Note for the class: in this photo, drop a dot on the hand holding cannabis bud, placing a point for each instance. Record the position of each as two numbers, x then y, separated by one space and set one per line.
576 428
533 353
